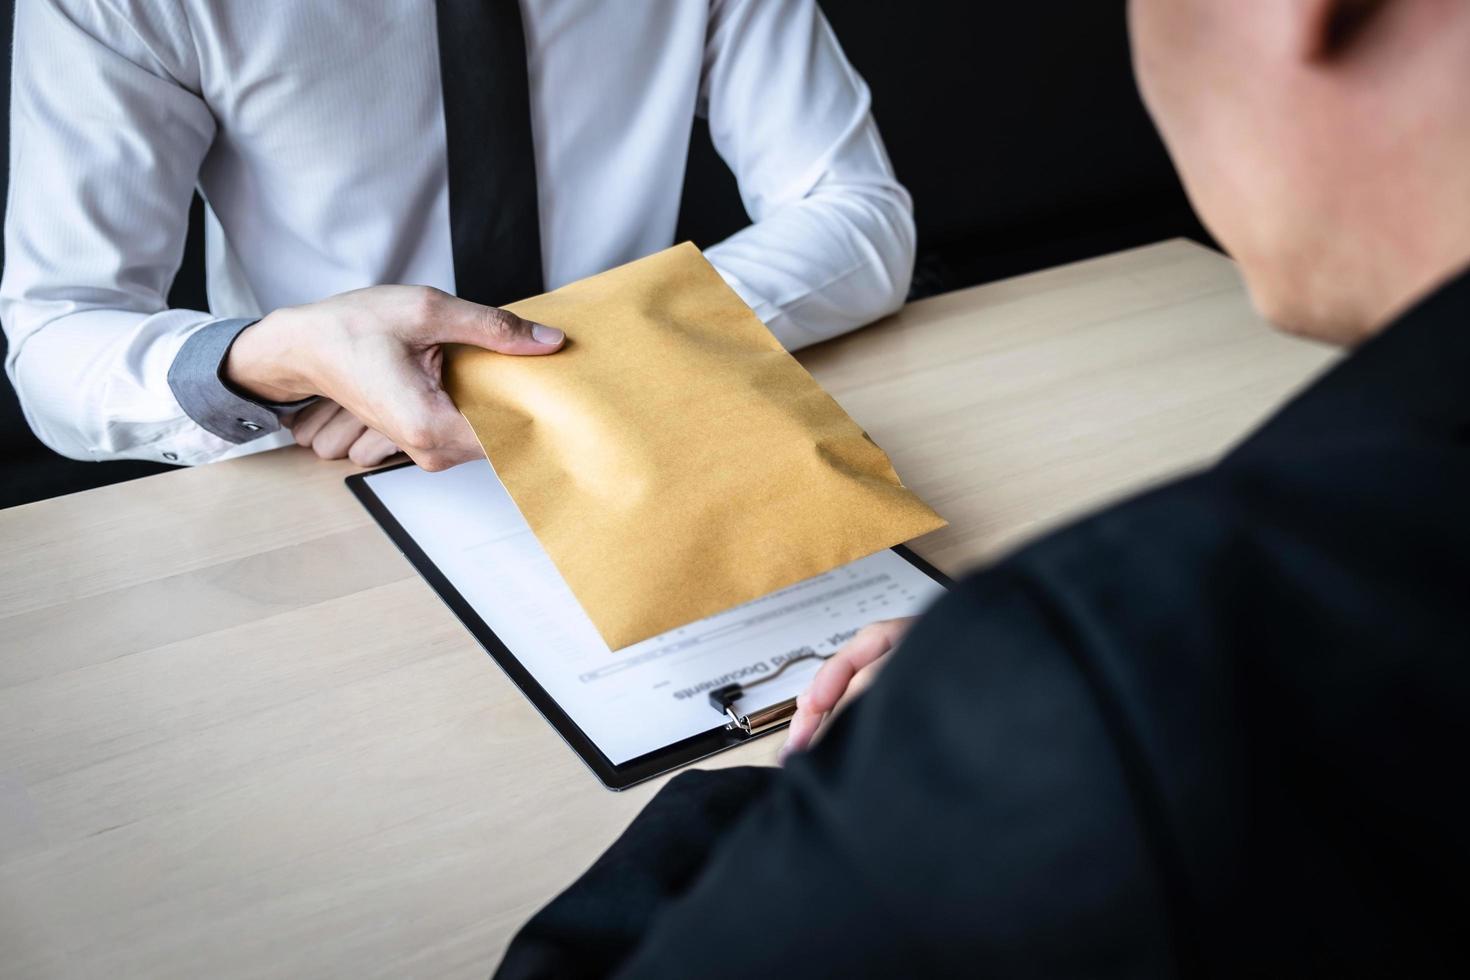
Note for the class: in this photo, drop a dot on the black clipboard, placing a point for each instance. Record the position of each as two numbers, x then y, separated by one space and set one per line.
614 777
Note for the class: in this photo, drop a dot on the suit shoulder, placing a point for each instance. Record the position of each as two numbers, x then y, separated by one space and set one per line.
1177 529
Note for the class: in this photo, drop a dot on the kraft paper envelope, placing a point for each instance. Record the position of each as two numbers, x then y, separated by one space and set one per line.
673 459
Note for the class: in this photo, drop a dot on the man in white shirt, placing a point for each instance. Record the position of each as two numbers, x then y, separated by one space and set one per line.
484 149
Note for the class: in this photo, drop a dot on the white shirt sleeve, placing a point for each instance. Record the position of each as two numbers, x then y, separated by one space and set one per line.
832 244
107 136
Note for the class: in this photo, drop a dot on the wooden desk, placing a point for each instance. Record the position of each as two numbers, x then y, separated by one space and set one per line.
240 737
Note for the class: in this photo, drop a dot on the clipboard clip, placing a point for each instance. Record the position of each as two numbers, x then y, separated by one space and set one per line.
723 700
754 722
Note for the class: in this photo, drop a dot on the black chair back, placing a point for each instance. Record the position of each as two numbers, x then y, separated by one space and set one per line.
1017 128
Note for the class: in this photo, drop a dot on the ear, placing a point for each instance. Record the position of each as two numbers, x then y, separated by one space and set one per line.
1325 28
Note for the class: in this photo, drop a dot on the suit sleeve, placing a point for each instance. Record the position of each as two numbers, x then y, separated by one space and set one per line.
973 813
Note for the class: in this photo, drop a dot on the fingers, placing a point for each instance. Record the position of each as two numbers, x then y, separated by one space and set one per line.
809 725
800 732
309 421
870 643
449 319
371 448
337 436
861 681
332 432
827 687
849 671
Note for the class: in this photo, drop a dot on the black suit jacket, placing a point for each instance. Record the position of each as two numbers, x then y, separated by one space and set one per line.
1217 730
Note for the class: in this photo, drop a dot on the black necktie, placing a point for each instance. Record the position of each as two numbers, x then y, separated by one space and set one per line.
492 163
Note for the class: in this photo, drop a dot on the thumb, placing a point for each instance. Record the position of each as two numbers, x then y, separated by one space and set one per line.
463 322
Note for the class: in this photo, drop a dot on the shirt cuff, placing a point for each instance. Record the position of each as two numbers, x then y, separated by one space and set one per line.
204 395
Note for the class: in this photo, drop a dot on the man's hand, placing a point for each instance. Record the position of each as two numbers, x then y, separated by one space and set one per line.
378 354
842 678
332 432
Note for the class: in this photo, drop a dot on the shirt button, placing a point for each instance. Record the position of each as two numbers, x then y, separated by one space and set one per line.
249 425
171 457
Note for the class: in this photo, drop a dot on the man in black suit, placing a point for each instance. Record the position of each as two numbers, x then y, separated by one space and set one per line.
1216 729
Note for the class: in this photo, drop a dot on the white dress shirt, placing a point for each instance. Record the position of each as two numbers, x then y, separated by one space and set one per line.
315 132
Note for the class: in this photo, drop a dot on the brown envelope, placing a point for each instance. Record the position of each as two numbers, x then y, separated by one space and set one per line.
673 459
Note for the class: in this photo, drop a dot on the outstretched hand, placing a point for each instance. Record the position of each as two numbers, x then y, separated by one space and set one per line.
378 354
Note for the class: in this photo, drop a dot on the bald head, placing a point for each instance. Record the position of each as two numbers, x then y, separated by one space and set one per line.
1326 144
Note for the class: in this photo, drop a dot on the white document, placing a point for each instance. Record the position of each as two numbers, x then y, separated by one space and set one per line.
639 699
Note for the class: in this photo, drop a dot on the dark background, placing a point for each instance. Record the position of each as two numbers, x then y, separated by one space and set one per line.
1016 127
